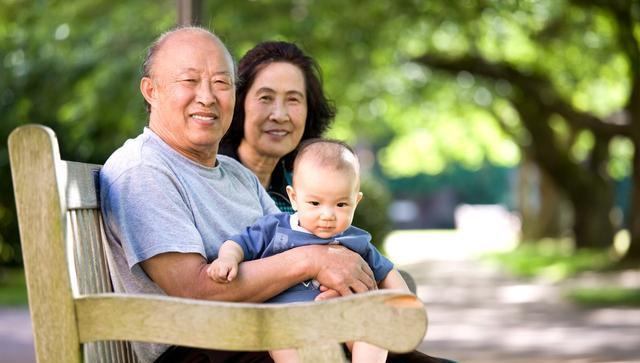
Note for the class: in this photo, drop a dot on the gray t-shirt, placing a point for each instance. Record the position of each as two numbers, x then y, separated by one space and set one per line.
154 200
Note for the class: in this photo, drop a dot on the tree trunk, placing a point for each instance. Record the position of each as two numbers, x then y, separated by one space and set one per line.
544 209
632 256
592 224
593 203
585 184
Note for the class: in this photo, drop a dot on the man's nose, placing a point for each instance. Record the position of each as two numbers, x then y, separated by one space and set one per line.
204 94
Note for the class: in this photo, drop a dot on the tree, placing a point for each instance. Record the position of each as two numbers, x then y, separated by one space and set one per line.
538 99
559 78
428 83
75 70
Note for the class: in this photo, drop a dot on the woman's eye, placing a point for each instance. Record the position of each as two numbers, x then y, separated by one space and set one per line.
265 98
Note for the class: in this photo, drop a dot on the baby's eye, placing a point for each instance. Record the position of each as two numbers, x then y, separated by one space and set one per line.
314 203
342 204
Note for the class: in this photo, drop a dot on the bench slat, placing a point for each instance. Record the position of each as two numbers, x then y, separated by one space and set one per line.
90 260
81 182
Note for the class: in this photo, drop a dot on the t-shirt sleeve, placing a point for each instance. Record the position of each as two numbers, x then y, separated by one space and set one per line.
147 213
379 264
359 240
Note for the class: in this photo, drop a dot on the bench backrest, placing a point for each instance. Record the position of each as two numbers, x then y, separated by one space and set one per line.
59 211
85 236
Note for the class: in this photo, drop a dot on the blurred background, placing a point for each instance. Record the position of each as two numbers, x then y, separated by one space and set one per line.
499 139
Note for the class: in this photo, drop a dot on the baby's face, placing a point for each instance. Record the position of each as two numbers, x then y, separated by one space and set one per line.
325 199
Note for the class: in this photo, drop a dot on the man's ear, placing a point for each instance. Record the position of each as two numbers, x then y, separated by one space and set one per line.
147 88
292 197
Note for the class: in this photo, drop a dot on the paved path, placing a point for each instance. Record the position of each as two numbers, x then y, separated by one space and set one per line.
16 341
479 315
476 315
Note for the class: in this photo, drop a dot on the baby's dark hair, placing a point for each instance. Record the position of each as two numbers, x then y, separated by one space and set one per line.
328 153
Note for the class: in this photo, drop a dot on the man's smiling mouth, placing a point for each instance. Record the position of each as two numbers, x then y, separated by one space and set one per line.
204 117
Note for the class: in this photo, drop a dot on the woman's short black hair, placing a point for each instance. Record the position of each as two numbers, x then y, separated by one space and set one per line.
320 111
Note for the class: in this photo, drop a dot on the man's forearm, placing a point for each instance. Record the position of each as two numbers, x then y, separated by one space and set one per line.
185 275
262 279
336 267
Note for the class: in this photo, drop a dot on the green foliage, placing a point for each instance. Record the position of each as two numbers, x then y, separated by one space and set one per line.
13 288
426 119
605 296
370 214
75 70
552 259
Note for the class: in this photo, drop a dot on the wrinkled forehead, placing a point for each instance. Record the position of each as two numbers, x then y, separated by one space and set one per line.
189 44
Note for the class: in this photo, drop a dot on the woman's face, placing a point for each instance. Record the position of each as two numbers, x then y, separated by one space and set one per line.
275 110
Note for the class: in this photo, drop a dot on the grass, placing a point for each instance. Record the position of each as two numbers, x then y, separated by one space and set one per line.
552 259
13 289
606 297
556 260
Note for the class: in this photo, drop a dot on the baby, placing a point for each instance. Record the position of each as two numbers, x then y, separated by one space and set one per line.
325 193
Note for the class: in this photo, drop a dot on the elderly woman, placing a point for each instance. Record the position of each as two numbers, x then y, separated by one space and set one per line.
279 103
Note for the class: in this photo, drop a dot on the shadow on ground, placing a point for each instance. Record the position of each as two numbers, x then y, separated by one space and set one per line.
477 314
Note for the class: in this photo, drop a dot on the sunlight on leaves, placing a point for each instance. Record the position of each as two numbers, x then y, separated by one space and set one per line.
621 150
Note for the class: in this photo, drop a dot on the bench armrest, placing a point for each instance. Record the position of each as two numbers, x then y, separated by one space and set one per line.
245 326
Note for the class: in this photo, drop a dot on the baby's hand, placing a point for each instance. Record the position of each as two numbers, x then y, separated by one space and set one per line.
223 270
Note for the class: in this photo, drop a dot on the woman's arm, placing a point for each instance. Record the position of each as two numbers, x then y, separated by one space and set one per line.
185 274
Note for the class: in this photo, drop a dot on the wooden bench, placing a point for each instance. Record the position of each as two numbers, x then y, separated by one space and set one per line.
77 317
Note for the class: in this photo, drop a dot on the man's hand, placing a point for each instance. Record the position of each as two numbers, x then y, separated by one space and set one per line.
342 270
326 294
223 270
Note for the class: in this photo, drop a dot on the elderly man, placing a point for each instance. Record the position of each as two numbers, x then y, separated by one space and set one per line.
169 200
